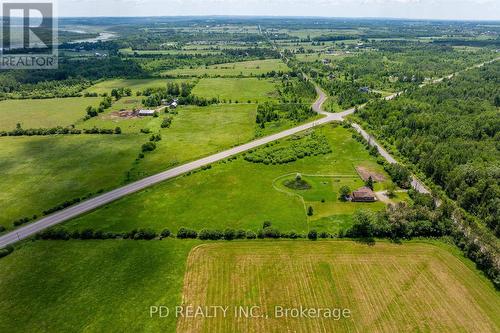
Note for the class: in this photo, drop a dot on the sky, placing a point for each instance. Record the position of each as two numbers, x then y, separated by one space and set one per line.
415 9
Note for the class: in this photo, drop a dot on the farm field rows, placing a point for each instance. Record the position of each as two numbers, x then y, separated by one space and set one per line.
386 287
105 285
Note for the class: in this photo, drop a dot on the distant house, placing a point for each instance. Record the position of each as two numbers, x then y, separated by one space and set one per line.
364 194
145 113
364 89
174 104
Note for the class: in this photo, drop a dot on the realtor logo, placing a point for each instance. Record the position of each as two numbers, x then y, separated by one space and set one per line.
28 35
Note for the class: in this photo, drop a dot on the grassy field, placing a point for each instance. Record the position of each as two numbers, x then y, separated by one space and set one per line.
242 90
134 84
36 113
241 194
196 132
244 68
414 287
91 286
41 172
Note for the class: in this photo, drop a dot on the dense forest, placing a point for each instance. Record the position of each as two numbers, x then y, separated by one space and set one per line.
451 132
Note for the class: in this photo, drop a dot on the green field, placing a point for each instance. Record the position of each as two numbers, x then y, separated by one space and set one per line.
91 286
242 90
40 172
414 287
36 113
97 286
134 84
241 194
197 132
243 68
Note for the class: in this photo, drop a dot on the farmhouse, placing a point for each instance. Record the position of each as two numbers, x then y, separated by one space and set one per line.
146 112
364 194
364 89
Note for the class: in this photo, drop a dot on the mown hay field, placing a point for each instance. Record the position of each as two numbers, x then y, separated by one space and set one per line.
386 287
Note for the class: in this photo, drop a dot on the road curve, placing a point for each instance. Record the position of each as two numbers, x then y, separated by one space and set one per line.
98 201
93 203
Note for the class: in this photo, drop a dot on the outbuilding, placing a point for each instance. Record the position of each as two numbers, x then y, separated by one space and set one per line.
364 194
145 113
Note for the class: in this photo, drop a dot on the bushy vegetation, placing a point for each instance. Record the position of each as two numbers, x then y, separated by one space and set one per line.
311 144
450 132
271 112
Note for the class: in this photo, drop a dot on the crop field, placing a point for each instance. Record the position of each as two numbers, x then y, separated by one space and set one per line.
40 172
241 195
385 287
244 68
36 113
134 84
92 286
242 90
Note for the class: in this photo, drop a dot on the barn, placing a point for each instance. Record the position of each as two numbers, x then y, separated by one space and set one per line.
364 194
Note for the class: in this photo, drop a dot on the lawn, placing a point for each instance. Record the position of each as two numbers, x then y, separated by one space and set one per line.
134 84
414 287
242 90
91 286
40 172
243 68
36 113
241 195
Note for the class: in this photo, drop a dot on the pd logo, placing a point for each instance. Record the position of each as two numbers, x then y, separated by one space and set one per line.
29 35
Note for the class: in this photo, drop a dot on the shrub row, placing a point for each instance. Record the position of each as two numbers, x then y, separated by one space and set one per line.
58 130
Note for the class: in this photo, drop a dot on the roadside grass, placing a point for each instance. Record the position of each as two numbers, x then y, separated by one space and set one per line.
242 90
92 286
387 287
243 68
36 113
41 172
239 194
134 84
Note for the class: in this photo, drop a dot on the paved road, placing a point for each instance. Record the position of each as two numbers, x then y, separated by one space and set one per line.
113 195
91 204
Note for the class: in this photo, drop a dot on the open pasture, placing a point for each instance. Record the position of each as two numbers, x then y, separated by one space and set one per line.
241 195
37 113
91 286
134 84
242 90
243 68
40 172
